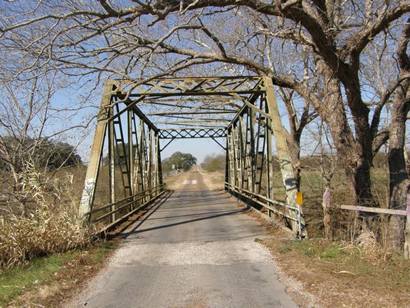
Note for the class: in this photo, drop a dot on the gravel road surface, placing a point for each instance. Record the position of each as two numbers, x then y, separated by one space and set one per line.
197 249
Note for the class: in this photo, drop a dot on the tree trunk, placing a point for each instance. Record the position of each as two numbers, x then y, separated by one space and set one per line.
360 178
356 157
398 176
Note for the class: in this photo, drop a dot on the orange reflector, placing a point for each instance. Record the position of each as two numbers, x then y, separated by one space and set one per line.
299 198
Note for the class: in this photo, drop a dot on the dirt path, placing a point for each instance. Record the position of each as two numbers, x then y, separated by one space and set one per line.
197 249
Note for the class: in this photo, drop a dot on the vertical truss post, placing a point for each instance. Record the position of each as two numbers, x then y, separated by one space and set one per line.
136 174
238 172
121 151
252 158
269 158
87 198
131 155
283 152
111 159
149 172
158 149
143 158
138 160
249 150
260 149
242 151
228 158
233 158
154 159
269 161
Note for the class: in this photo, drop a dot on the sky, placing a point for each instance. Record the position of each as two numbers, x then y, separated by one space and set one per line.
199 148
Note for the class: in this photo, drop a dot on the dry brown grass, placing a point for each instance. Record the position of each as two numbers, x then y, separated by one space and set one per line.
41 219
323 273
44 232
214 180
344 274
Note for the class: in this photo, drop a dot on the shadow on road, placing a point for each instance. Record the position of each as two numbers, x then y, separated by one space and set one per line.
227 213
151 210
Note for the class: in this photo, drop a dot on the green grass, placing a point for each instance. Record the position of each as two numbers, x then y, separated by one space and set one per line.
15 281
101 252
314 249
39 271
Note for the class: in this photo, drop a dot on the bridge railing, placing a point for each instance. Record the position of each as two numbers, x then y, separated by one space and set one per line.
118 211
278 207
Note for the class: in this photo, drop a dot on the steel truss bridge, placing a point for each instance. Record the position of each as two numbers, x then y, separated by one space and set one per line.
138 119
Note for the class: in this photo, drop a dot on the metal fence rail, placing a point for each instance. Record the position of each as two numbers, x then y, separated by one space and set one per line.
127 207
130 202
269 204
392 212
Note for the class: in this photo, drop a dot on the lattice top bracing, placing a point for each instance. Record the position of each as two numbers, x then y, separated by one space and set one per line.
186 133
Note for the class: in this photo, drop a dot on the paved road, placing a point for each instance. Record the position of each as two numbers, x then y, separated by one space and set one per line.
197 249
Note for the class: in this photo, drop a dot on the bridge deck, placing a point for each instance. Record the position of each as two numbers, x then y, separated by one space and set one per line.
197 249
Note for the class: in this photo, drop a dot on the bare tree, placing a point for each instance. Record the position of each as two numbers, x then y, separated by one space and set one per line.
400 106
327 39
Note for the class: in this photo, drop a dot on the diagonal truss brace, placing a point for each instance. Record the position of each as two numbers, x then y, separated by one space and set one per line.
218 143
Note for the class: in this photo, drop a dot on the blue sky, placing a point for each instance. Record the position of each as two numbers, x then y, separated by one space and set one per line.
197 147
200 148
71 96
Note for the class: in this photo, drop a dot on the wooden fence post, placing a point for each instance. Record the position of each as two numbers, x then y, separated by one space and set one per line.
407 230
327 222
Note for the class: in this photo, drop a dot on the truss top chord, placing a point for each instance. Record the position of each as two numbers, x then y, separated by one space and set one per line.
192 86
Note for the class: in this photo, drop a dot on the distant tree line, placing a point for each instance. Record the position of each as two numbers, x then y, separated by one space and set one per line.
216 162
178 161
41 152
213 163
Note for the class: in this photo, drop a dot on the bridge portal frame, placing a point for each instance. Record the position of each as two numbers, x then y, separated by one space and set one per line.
134 152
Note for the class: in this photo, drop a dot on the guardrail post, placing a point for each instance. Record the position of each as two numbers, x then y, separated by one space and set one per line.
407 230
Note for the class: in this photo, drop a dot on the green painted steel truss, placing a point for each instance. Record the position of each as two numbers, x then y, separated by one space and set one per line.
136 115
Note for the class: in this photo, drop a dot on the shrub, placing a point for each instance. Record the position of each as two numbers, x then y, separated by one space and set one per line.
214 163
42 152
178 161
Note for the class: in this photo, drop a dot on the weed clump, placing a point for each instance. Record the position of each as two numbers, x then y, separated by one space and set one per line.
42 219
